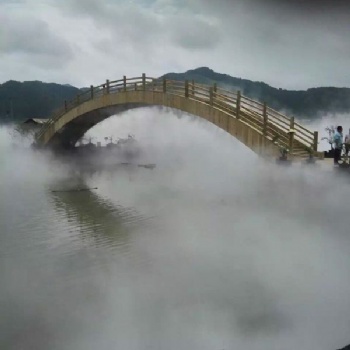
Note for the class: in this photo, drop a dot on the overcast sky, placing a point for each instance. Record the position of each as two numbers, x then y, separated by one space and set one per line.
290 44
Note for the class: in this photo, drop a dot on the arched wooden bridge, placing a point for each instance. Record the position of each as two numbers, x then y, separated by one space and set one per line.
259 127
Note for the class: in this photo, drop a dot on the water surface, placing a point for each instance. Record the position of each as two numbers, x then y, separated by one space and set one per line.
211 249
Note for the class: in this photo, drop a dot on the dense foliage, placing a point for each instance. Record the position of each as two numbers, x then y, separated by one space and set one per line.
32 99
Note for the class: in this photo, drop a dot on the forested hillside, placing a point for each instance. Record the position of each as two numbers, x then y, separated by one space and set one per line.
310 103
32 99
35 99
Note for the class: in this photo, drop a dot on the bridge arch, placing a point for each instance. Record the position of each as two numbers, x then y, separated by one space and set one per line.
260 128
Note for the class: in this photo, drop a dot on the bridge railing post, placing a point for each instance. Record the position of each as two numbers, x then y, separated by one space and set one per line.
215 89
135 86
211 95
238 104
143 81
315 145
107 85
291 135
186 89
192 88
265 116
164 85
91 91
124 83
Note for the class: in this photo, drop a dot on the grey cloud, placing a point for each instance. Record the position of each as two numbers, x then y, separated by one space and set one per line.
317 7
11 1
33 37
124 24
294 40
300 6
290 44
192 33
271 37
297 17
80 8
142 25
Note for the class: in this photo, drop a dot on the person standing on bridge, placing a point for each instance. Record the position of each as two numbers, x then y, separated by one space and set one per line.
338 144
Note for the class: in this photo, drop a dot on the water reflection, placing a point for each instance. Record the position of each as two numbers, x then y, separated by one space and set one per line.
92 217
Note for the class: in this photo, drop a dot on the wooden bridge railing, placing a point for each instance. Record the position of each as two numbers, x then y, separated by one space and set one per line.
270 123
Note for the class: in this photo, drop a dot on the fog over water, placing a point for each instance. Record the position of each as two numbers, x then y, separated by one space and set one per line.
212 249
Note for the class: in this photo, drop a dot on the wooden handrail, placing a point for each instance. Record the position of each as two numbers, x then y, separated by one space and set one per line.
273 111
303 130
245 98
226 92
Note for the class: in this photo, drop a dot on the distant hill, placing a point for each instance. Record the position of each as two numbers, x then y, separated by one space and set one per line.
35 99
32 99
310 103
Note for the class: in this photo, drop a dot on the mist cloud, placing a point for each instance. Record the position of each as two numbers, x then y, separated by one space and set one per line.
236 252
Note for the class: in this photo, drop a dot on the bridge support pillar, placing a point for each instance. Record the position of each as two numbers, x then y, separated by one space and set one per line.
291 135
143 81
238 104
215 89
315 141
265 119
291 141
186 89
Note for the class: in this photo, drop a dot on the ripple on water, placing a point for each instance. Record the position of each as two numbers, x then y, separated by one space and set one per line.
87 218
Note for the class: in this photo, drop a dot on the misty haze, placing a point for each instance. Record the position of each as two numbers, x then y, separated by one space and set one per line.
140 225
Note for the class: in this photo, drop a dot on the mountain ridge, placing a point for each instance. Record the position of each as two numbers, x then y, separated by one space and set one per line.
310 103
36 99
